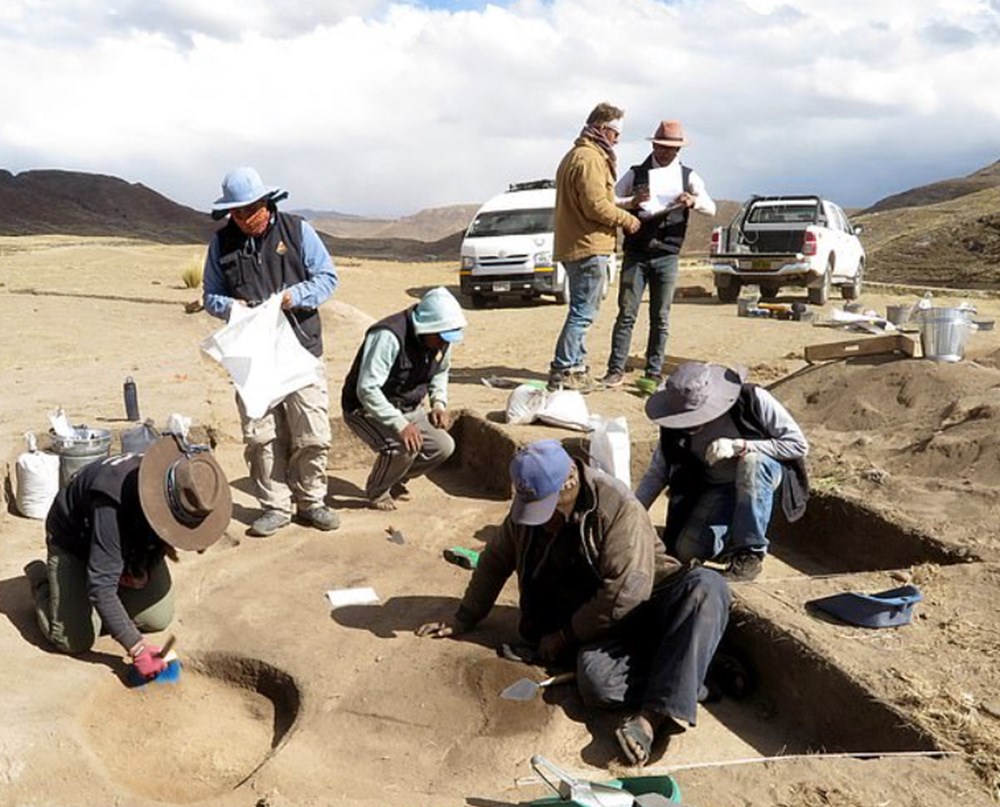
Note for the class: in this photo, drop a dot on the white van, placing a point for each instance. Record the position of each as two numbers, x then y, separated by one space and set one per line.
507 249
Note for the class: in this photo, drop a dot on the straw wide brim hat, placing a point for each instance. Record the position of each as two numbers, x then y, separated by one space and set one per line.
184 495
694 394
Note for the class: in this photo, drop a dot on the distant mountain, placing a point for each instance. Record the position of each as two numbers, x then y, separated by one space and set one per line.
943 191
74 203
394 249
428 225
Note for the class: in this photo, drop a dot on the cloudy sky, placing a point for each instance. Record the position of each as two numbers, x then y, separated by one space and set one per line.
385 108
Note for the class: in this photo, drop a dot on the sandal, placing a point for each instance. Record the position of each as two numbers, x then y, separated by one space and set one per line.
383 502
634 741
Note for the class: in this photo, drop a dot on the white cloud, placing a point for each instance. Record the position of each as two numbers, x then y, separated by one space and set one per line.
379 107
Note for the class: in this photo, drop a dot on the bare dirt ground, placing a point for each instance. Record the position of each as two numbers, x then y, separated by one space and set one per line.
284 702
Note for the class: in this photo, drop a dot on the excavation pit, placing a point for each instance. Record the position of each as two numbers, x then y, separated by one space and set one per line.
196 738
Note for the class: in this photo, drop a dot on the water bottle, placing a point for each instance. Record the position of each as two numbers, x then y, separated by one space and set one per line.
131 400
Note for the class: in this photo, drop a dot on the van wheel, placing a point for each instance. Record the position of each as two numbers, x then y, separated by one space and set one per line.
479 300
819 295
853 291
728 294
562 296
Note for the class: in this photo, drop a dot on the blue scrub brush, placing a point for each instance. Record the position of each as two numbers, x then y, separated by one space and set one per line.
170 674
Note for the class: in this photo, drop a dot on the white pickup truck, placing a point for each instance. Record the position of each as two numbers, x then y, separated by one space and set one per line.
777 241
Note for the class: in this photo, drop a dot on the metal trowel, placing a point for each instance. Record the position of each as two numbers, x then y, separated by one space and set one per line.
580 792
527 688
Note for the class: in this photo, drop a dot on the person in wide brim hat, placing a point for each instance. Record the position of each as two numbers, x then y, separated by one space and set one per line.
669 133
726 448
109 532
242 187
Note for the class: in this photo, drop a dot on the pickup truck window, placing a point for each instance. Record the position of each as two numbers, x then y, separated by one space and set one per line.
783 214
512 222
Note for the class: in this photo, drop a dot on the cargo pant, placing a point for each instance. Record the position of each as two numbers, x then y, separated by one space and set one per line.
286 450
68 620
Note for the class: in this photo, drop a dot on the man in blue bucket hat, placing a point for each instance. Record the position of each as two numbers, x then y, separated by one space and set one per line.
598 591
260 252
404 359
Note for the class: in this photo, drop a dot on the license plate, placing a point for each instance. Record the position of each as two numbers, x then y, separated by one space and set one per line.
501 285
760 265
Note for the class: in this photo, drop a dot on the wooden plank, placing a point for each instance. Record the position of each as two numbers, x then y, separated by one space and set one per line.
867 346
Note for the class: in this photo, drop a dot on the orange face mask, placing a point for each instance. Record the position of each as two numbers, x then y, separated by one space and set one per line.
253 223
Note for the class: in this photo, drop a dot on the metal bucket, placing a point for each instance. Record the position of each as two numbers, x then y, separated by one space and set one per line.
84 447
944 333
898 314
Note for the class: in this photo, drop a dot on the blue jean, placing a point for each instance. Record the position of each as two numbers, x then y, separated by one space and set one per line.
586 278
657 656
735 517
660 274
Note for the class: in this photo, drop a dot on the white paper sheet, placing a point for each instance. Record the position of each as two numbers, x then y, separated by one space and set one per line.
364 595
665 185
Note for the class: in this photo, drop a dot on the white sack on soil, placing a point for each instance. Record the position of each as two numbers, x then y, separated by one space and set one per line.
610 449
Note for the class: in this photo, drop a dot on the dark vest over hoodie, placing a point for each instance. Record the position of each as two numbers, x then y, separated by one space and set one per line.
686 472
660 235
255 268
409 379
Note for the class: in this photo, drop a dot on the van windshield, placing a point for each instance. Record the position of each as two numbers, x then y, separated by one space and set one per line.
512 222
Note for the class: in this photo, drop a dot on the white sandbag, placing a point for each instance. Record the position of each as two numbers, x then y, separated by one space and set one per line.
566 408
524 403
262 355
610 449
37 475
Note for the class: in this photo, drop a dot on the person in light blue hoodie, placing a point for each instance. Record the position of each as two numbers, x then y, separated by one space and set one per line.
404 359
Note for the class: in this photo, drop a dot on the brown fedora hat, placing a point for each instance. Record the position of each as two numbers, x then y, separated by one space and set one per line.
184 494
694 394
669 133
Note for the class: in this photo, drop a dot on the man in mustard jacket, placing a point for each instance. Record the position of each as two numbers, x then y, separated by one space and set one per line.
586 224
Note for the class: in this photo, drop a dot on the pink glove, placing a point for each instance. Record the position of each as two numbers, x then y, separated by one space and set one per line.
148 662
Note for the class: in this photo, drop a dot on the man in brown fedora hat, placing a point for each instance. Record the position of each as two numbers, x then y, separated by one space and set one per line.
586 229
662 192
108 533
726 449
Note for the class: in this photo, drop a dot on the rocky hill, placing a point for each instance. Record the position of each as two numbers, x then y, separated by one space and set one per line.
73 203
428 225
943 191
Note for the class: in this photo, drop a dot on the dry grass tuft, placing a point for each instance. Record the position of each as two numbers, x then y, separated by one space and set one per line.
191 276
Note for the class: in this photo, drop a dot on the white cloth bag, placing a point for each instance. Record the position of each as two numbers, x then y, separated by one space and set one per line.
262 355
524 403
37 480
610 449
566 408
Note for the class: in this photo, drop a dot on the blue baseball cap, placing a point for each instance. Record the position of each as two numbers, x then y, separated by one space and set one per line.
537 473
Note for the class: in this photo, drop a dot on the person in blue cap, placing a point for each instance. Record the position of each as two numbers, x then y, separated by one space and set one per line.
598 591
260 252
404 359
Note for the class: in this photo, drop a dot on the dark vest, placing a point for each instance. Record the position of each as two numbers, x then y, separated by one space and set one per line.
415 365
255 268
686 473
660 235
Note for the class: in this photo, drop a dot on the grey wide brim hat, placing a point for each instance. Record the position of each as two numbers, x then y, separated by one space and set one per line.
241 187
694 394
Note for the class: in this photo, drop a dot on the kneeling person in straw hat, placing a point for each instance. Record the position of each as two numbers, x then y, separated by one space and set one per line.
258 253
599 592
726 447
404 359
108 534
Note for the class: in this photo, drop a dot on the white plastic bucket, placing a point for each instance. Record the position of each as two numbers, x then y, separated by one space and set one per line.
944 333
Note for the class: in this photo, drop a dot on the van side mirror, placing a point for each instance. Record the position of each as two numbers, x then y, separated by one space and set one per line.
858 229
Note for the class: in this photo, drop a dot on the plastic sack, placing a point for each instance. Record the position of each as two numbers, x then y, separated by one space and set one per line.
262 355
610 448
37 480
524 403
565 408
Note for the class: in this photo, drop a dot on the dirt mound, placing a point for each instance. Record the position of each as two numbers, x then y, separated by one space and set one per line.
73 203
395 249
894 432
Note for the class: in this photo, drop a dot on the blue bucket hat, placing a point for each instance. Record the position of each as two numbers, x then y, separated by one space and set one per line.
538 472
241 187
439 312
885 609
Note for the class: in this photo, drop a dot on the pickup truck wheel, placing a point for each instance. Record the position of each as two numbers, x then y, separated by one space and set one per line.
819 295
853 291
728 294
